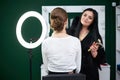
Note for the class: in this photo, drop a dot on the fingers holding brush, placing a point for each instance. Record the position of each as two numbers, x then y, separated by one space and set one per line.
93 48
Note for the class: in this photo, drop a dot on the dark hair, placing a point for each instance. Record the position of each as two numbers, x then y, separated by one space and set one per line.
93 28
58 17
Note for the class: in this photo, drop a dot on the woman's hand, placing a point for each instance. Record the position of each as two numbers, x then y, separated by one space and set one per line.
93 48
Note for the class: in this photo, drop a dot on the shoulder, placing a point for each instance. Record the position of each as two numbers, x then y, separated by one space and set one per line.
75 39
46 40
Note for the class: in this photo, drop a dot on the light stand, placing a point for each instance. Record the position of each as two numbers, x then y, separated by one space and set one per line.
30 60
32 44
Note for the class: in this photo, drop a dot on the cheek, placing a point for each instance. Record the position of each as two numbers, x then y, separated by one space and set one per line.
82 20
83 23
87 24
90 22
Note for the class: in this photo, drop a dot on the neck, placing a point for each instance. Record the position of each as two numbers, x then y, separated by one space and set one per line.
83 33
84 28
59 34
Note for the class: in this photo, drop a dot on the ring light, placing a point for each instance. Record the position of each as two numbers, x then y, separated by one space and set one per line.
19 26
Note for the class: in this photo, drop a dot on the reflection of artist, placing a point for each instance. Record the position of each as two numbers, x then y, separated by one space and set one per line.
86 29
61 52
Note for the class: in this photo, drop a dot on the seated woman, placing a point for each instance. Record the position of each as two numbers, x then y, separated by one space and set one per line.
61 52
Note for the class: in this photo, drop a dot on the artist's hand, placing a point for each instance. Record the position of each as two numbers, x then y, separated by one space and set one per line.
93 48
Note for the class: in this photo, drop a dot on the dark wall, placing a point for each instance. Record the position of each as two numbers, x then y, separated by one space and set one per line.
14 58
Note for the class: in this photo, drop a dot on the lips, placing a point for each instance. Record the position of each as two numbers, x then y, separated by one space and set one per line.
84 21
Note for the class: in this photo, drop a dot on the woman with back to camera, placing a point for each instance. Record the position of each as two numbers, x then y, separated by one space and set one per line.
61 52
86 29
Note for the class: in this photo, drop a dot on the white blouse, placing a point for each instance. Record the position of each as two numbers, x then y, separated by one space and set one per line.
62 54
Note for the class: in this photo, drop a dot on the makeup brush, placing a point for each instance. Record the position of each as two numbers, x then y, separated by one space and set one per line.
98 43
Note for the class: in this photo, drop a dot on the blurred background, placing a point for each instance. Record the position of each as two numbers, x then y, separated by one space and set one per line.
14 58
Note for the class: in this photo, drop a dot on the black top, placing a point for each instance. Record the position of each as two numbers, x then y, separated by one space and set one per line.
90 65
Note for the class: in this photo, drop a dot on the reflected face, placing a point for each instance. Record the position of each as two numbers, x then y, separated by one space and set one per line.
87 18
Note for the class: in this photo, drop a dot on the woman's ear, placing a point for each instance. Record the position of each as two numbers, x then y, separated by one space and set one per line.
66 22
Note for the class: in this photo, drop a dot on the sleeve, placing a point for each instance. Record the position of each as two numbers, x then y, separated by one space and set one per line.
44 57
101 57
78 57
